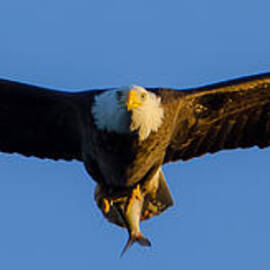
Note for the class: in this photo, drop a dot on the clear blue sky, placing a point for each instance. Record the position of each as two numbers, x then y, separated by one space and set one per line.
221 216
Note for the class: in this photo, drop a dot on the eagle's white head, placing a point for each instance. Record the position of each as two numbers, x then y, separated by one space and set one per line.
128 109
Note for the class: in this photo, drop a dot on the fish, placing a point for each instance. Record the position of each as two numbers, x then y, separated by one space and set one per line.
131 217
130 207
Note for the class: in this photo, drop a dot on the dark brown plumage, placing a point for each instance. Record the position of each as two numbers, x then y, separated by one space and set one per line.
228 115
53 124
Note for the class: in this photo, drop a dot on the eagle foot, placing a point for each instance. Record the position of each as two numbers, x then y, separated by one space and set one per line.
135 194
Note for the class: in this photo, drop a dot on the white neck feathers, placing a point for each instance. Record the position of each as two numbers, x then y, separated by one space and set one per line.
110 113
147 118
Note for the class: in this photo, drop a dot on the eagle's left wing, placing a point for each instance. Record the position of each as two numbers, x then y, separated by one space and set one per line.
228 115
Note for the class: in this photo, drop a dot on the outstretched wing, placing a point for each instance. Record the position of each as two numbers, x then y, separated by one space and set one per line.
226 115
39 122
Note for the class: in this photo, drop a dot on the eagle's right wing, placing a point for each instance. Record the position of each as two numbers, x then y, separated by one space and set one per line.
39 122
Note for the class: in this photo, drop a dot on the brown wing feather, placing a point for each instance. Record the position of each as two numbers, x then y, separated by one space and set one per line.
39 122
227 115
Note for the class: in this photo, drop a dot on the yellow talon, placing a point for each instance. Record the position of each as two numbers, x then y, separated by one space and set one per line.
136 193
106 206
121 199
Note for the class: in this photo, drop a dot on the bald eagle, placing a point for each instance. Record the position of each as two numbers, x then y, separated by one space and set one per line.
123 136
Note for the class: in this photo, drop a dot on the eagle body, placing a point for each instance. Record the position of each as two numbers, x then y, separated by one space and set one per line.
119 159
124 136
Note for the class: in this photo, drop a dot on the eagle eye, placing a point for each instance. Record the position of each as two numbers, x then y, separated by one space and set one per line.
143 96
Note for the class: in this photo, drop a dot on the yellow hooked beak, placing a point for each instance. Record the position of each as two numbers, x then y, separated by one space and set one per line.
133 100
